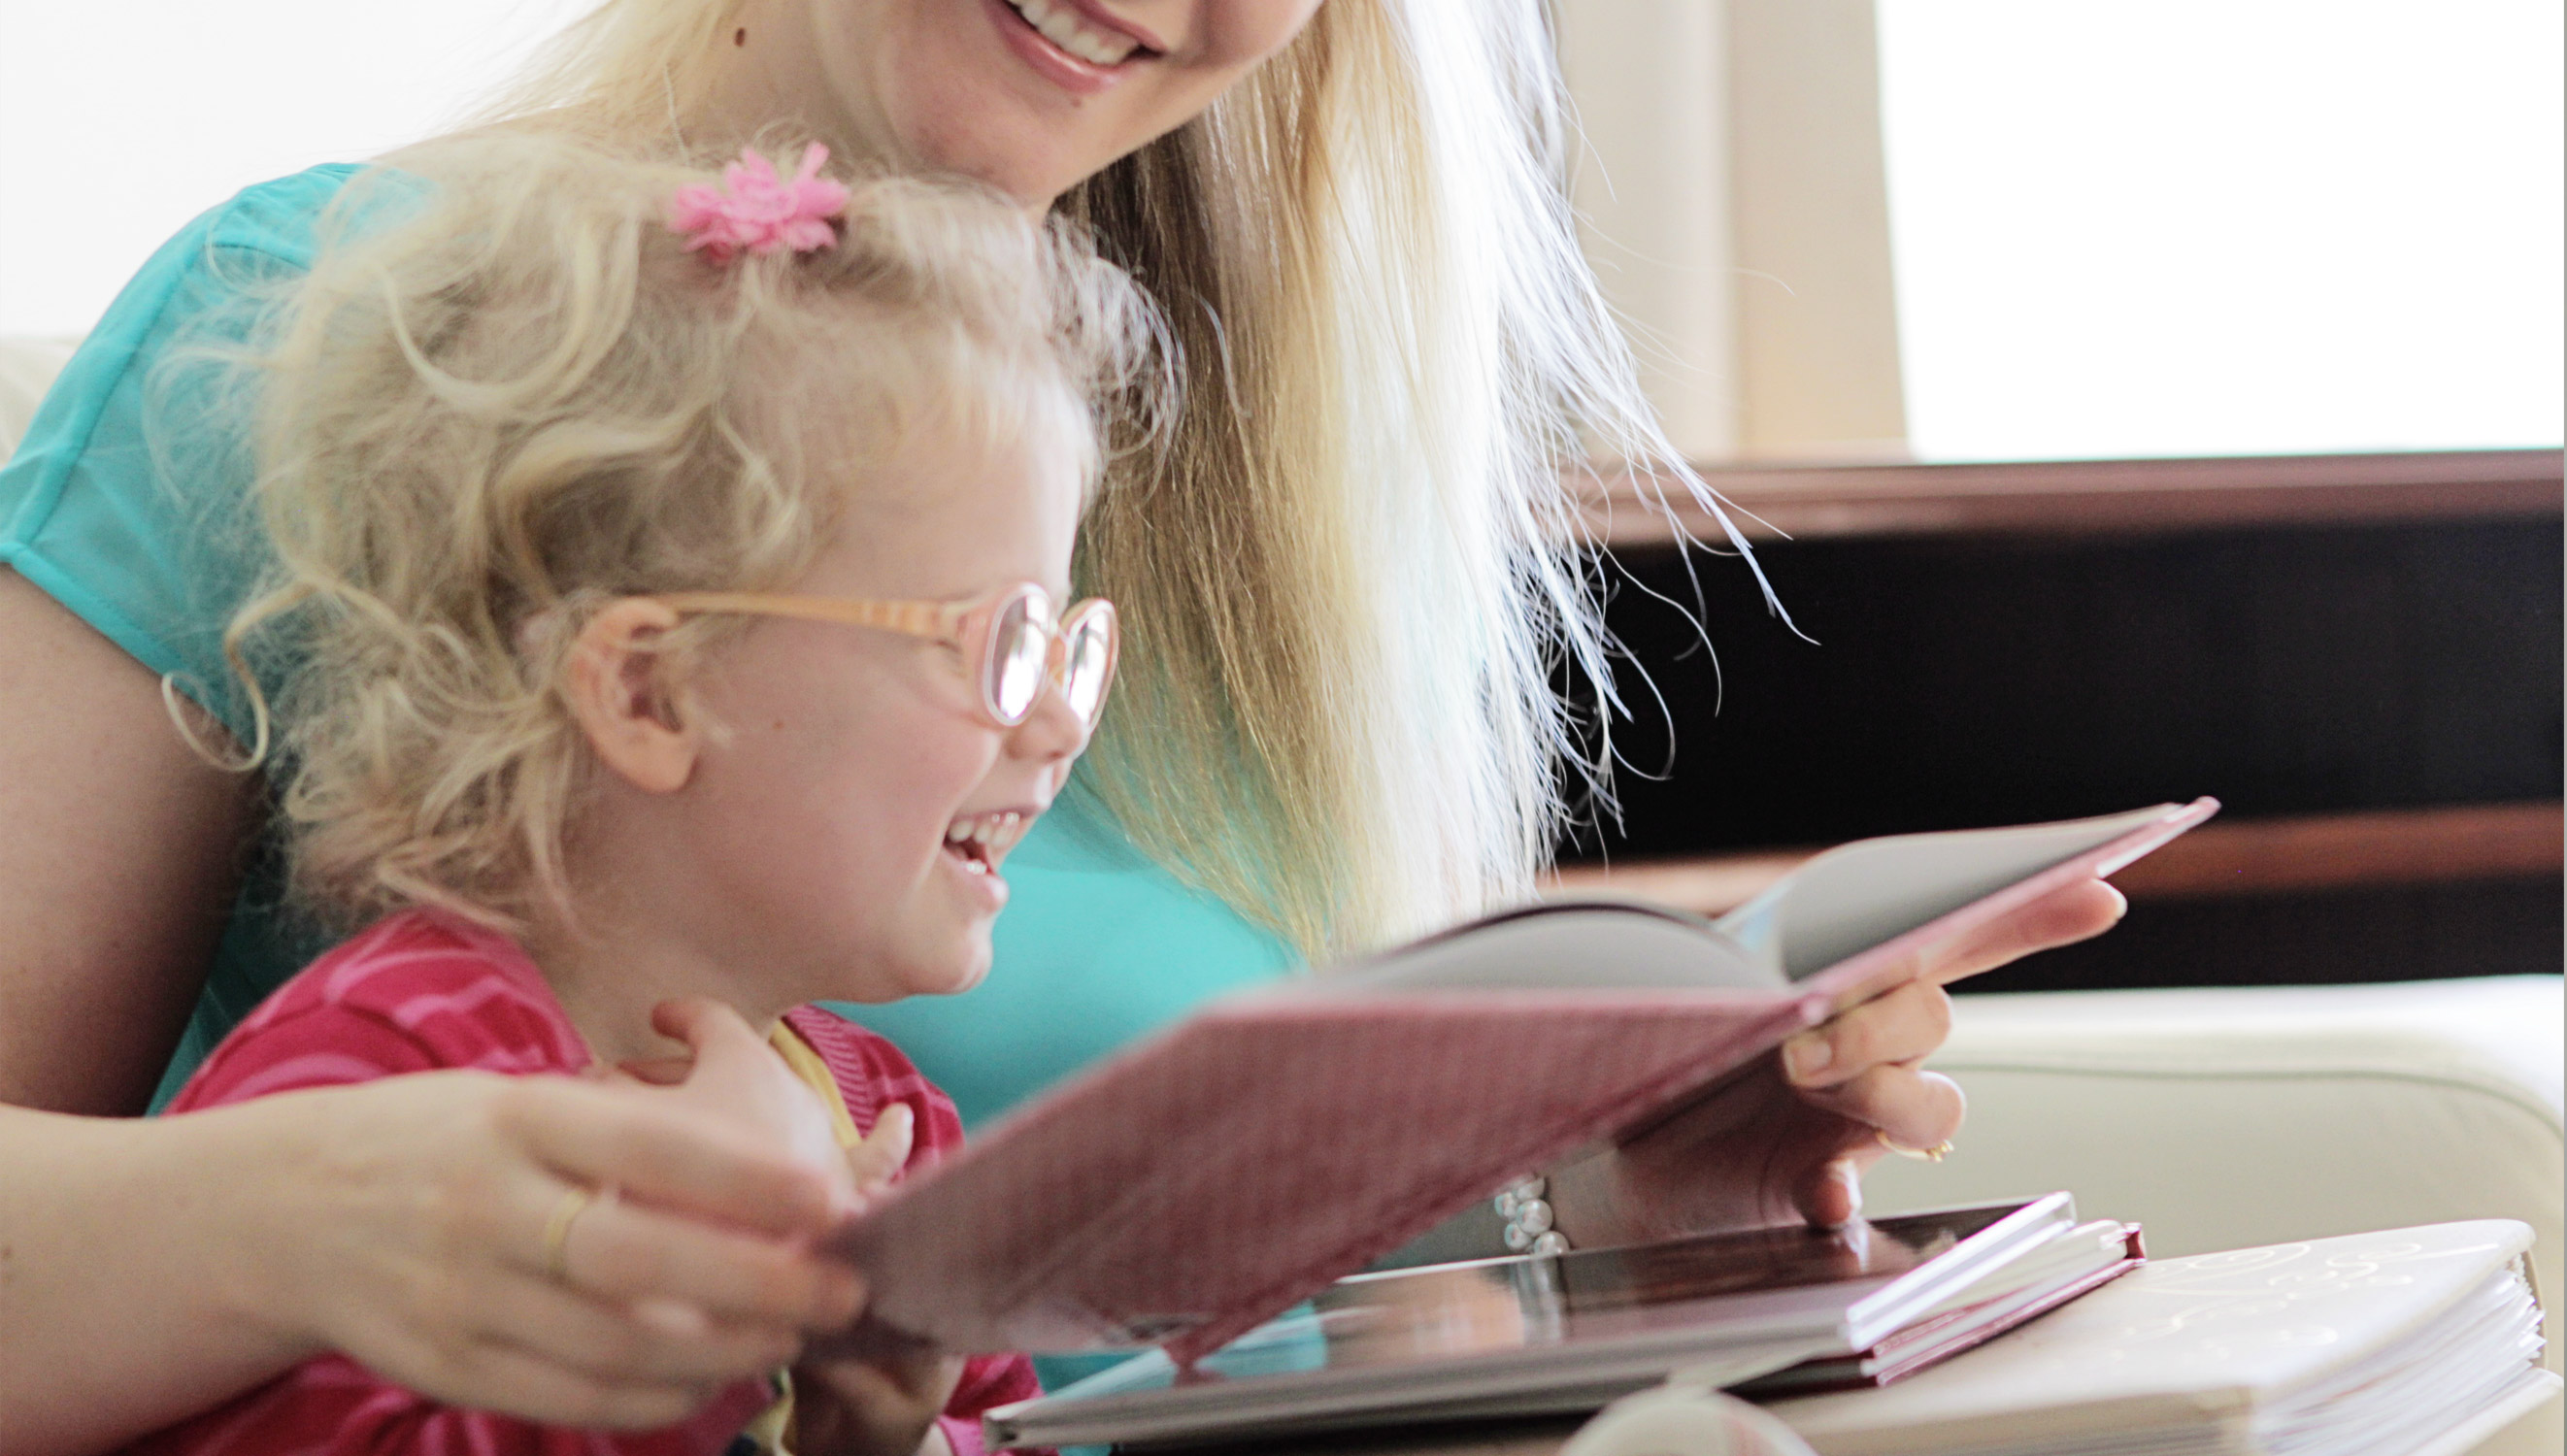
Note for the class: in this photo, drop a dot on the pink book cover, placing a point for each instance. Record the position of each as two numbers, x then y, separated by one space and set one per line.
1204 1180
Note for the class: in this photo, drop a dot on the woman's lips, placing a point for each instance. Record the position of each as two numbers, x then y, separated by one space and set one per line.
1055 60
1088 30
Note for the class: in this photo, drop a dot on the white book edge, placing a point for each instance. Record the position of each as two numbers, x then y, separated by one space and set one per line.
2020 1392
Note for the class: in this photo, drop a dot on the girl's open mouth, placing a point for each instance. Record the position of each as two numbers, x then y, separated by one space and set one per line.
1077 36
980 841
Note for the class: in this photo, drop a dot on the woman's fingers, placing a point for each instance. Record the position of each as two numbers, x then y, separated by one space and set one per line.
1902 1026
536 1387
405 1223
611 1343
1910 1107
618 1250
644 1142
1829 1195
2065 916
1863 1067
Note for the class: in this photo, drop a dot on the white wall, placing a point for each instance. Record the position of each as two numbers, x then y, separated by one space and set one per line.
1652 184
121 118
2188 225
2206 226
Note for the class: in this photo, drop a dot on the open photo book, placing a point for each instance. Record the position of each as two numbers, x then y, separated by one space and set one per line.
1768 1313
1195 1184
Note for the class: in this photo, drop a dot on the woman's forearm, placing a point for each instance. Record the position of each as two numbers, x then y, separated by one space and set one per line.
123 1307
122 853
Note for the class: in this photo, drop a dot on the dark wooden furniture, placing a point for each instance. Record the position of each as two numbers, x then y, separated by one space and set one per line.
2360 655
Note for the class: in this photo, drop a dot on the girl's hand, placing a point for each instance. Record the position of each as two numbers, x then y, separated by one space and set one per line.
877 1393
748 1085
1766 1150
402 1222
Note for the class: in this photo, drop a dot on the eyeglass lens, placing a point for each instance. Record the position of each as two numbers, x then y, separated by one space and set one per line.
1017 651
1084 662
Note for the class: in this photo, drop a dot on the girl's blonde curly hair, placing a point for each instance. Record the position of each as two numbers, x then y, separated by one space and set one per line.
506 393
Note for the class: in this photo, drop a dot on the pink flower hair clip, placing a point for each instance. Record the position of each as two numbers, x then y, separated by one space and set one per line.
757 211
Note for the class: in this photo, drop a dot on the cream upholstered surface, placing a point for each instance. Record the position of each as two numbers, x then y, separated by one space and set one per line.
27 367
2235 1117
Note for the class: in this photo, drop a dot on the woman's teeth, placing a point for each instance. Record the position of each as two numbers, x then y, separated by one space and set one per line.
1060 24
981 840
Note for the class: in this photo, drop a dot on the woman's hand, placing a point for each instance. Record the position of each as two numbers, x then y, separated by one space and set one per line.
414 1237
1767 1149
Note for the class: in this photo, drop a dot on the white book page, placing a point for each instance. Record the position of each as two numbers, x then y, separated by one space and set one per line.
1567 947
1853 898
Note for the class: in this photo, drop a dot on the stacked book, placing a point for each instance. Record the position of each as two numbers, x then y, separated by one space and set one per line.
2412 1342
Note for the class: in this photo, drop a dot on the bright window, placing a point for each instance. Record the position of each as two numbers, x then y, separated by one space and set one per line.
2225 226
120 120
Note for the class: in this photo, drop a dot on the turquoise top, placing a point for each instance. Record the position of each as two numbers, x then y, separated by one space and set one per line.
123 503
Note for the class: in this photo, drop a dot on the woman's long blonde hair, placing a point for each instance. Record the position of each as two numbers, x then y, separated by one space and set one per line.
1354 577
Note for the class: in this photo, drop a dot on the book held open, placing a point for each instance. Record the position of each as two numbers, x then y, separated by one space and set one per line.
1186 1190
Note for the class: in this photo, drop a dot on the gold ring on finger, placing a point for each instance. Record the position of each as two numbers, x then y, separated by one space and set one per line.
557 1231
1935 1154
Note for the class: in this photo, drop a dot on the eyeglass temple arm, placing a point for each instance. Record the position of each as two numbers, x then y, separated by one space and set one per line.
915 618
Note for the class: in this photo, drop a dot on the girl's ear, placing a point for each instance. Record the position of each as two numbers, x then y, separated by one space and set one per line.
618 690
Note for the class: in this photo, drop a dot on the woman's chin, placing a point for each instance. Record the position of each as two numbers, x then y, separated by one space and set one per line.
1018 157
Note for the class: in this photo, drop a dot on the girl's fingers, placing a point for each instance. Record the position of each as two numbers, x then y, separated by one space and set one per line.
708 1026
620 1251
1912 1108
1903 1025
644 1142
657 1071
879 1156
739 1080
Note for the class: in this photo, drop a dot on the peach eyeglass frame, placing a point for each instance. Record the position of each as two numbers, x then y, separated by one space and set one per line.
967 627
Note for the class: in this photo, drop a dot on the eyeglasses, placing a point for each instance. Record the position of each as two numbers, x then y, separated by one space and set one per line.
1008 641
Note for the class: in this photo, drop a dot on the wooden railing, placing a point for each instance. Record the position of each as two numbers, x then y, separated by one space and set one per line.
2087 497
2220 859
2230 857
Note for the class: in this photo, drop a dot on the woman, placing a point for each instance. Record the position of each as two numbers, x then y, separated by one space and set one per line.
1344 577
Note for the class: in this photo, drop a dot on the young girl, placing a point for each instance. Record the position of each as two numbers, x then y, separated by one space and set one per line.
670 568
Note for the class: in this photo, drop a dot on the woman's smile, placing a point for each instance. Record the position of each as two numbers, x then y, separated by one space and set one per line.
1074 44
1031 97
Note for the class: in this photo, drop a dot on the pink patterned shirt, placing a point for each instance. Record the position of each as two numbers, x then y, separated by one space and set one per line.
423 991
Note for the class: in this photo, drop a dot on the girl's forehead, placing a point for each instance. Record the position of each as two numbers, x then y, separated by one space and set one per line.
955 515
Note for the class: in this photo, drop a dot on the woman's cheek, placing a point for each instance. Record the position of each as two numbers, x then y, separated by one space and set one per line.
1241 33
